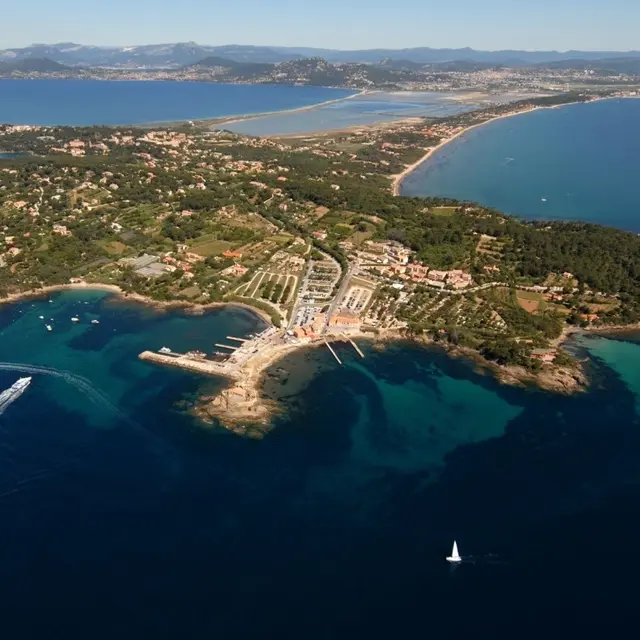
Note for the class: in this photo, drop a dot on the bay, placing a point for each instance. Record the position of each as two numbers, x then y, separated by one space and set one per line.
123 517
94 102
578 162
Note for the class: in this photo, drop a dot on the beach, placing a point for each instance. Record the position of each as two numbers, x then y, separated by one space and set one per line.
398 179
130 296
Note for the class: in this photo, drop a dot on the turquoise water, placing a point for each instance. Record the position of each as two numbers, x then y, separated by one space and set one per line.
578 162
122 517
94 102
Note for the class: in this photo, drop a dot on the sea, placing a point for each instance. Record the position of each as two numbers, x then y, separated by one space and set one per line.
578 162
96 102
125 517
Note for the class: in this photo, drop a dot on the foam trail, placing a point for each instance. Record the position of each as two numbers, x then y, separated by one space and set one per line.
77 381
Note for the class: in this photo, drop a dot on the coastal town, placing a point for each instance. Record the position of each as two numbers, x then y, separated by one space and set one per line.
310 232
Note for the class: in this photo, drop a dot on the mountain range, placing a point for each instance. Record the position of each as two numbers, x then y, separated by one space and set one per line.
189 53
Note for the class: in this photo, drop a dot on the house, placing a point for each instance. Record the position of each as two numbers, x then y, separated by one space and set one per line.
319 235
417 272
546 356
345 319
438 276
61 230
232 254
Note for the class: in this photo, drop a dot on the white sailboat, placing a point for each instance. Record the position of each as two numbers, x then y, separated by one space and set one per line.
455 556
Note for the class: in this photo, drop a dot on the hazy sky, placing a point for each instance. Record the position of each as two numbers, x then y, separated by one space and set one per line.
345 24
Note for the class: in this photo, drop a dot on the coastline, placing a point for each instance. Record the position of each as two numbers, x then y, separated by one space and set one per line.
232 119
189 307
398 179
242 407
214 122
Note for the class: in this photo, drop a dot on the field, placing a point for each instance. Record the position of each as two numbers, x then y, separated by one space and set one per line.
208 248
530 301
443 211
275 287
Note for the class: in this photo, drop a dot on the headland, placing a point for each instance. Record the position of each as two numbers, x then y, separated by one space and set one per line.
307 232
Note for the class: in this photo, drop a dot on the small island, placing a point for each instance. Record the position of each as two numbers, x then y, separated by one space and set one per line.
311 233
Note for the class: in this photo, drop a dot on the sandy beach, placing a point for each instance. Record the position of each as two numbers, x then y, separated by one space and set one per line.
397 179
218 122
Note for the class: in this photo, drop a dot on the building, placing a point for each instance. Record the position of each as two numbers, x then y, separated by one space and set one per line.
345 319
417 272
546 356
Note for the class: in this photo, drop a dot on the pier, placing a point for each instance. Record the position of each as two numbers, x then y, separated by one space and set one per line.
357 348
237 339
226 346
184 362
335 355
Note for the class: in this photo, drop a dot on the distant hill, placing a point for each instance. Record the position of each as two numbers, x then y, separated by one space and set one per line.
244 69
311 71
32 65
612 66
183 54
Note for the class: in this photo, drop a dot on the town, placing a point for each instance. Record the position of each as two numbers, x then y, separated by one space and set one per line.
310 232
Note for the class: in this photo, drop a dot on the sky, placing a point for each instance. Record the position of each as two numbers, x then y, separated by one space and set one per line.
334 24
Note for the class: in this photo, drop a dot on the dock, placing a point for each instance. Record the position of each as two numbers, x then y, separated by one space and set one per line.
236 339
226 346
184 362
357 348
335 355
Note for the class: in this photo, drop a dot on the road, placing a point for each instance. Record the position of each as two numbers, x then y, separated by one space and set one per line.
339 295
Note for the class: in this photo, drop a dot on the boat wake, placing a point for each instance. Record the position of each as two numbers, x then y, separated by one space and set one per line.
82 384
95 396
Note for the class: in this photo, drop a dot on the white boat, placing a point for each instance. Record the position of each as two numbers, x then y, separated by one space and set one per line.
49 327
13 393
95 322
41 317
75 319
455 556
165 350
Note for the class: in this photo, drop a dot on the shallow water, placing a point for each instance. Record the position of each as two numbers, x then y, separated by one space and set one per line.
337 523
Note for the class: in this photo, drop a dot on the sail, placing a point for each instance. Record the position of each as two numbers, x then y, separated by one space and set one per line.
454 553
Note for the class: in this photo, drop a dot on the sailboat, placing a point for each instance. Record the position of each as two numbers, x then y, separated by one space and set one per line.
455 556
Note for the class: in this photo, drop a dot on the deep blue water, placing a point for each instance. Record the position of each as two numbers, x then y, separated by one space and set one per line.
94 102
127 519
579 162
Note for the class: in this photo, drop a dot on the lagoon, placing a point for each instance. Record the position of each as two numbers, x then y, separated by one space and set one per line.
95 102
366 109
130 519
578 162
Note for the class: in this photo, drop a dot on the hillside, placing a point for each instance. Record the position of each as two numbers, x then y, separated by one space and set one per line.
175 55
310 71
32 65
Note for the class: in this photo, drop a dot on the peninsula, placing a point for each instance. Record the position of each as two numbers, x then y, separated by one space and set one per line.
307 231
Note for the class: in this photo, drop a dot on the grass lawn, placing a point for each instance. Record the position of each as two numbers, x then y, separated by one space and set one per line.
530 301
115 248
529 295
191 292
211 248
361 236
443 211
